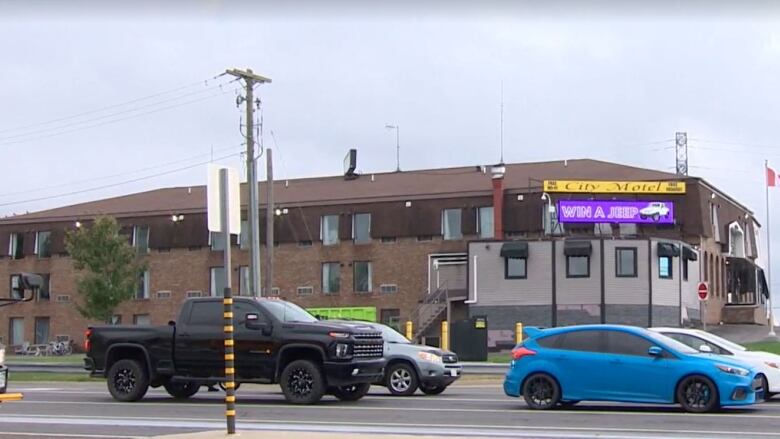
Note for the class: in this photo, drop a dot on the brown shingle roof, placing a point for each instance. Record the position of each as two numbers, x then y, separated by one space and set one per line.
434 183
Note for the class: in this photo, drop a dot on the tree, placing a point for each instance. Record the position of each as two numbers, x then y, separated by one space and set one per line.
110 268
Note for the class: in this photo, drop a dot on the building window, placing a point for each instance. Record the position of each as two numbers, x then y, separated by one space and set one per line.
362 276
143 286
331 277
625 262
329 229
361 228
243 237
602 229
41 330
142 320
16 287
217 241
736 240
515 268
218 281
391 317
43 244
627 229
485 222
16 329
715 222
450 224
16 246
116 319
577 266
685 269
141 239
44 291
243 281
665 267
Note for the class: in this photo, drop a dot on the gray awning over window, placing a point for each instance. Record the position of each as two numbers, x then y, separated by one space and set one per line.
577 248
668 249
514 250
690 254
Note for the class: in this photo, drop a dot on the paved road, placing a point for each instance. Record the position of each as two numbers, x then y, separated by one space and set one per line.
86 410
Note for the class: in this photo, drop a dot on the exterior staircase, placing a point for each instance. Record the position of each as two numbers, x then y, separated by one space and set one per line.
429 312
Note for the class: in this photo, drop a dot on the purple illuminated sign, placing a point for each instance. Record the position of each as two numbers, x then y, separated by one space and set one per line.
636 212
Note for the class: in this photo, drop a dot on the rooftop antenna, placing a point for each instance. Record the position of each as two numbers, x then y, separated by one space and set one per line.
502 122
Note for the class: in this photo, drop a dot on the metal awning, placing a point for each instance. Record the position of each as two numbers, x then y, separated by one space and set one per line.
518 249
577 248
668 249
690 254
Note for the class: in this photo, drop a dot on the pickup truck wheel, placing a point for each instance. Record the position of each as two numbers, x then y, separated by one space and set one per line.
128 380
401 380
181 389
351 393
302 382
433 390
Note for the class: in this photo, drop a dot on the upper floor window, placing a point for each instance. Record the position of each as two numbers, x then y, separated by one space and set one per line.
361 228
43 244
142 292
45 289
362 276
625 262
485 222
736 240
331 277
16 246
451 224
329 229
16 287
141 238
217 241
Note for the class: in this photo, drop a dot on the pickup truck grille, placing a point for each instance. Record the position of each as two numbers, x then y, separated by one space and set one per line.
368 345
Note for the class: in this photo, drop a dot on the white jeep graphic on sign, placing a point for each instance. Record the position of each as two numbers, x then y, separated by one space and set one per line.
654 210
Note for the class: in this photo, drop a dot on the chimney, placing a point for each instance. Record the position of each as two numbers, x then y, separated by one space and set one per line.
497 172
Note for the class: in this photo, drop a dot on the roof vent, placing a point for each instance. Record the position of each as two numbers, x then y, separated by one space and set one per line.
350 164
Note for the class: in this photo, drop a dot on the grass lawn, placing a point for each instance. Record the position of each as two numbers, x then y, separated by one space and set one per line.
75 359
499 357
22 377
767 346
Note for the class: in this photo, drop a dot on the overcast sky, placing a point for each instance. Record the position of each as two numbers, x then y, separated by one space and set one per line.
584 79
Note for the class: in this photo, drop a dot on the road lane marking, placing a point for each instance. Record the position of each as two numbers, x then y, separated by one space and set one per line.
343 407
79 435
364 427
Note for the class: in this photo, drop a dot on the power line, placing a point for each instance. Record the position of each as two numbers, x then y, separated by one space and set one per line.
743 144
109 115
114 120
108 177
96 188
121 104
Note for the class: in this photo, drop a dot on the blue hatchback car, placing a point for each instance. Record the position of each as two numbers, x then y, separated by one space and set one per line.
562 366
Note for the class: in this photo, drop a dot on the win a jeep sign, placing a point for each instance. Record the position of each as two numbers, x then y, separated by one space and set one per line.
633 212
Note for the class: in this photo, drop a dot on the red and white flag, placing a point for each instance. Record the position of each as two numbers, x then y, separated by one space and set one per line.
771 177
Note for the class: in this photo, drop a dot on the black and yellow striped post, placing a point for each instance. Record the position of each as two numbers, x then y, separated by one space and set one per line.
230 356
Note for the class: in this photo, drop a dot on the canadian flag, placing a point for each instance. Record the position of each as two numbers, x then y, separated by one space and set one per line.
771 177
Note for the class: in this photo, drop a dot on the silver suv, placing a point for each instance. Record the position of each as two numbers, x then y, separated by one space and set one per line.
412 366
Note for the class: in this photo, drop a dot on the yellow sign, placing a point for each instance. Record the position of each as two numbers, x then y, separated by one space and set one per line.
614 187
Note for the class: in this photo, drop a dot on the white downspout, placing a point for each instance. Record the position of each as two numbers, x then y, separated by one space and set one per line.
474 275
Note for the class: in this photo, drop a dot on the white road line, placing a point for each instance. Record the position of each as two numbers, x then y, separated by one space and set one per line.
79 435
373 427
344 407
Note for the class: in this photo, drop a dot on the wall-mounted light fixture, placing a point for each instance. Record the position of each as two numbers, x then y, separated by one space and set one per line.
78 224
177 218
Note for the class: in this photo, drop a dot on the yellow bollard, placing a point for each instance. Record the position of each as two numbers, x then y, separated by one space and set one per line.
409 330
445 335
518 332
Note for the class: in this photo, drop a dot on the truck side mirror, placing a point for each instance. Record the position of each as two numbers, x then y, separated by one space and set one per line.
253 322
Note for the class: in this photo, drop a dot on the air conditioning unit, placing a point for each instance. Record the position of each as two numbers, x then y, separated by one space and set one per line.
388 288
305 291
163 294
191 294
63 298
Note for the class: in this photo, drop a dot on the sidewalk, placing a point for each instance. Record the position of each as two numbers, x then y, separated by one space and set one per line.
297 435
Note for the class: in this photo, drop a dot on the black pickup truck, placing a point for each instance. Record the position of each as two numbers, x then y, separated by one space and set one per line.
275 342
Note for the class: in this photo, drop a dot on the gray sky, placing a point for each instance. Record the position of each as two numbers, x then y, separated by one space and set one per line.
585 79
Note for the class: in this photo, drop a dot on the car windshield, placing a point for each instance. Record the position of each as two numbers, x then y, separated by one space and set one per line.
392 336
671 343
723 342
288 312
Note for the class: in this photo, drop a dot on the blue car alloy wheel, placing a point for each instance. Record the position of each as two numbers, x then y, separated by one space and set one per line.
541 392
698 394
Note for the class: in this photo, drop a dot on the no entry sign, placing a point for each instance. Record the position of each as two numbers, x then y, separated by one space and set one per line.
704 291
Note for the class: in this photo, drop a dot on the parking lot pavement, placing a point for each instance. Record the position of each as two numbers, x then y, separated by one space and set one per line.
473 410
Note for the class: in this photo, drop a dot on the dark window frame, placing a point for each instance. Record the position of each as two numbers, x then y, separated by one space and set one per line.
577 276
39 247
506 268
633 250
369 273
322 277
355 239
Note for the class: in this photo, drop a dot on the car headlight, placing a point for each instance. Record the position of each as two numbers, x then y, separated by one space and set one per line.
731 370
336 334
430 357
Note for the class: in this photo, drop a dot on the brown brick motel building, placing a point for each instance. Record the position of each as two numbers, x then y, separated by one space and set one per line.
551 243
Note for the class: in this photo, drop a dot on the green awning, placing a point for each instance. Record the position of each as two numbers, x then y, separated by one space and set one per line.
668 249
577 248
518 249
690 254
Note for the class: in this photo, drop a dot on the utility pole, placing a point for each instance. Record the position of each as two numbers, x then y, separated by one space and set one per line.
681 152
269 223
250 79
